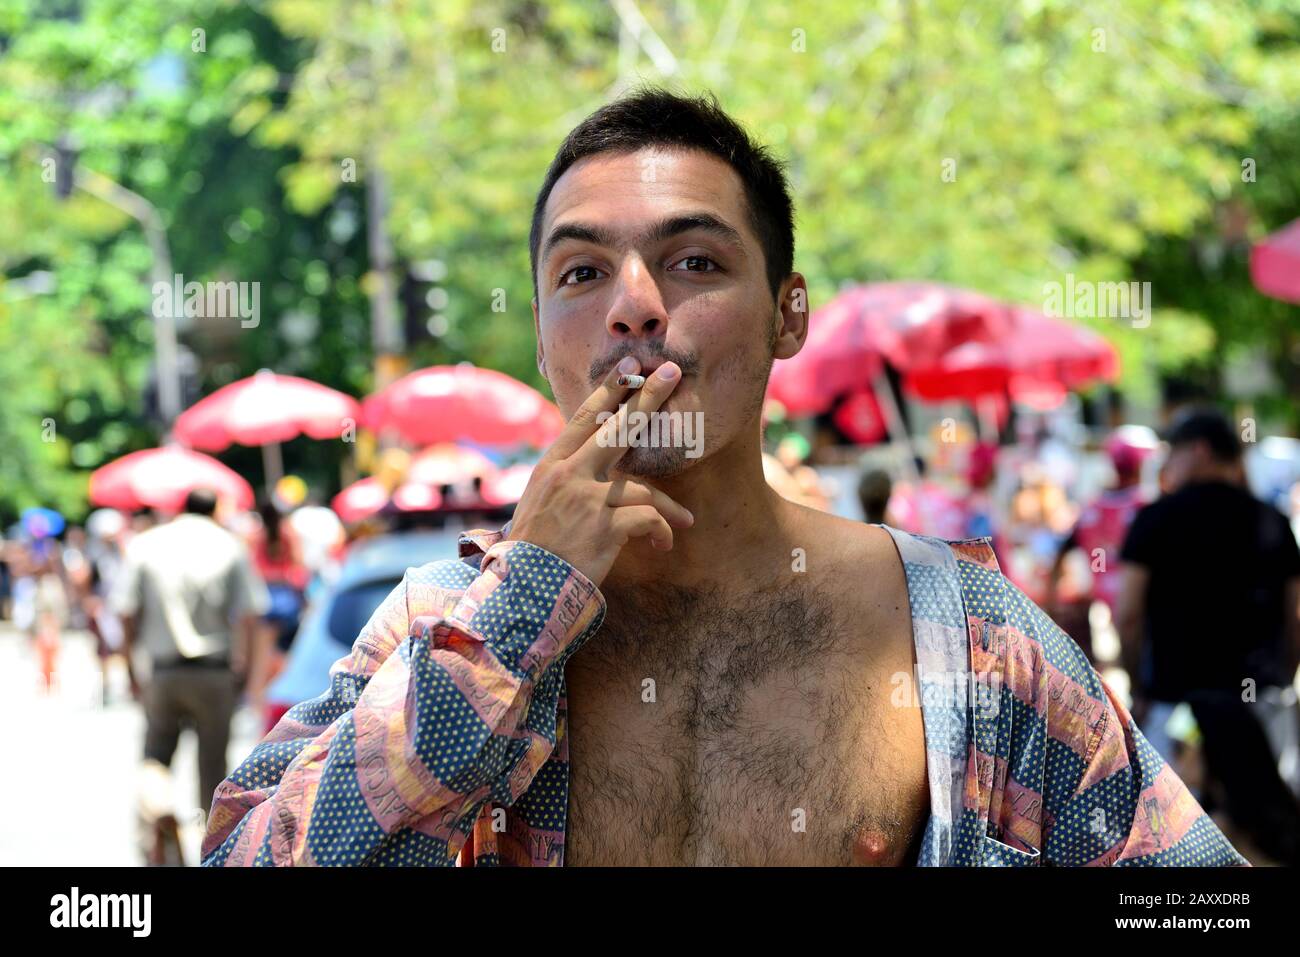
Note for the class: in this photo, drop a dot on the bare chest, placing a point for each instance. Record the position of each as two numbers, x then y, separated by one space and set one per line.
751 731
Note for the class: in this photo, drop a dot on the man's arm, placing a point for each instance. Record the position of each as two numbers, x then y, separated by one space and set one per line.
450 698
1130 613
1140 553
124 601
1293 627
249 600
436 711
1050 603
252 660
130 627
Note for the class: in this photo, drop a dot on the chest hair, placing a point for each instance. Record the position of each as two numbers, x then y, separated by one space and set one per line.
721 728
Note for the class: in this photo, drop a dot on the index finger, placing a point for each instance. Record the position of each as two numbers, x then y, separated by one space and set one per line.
603 449
585 421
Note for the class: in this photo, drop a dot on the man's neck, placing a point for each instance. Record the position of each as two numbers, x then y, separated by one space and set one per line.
738 517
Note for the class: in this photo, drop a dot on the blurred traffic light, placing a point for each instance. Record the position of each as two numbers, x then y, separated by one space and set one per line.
423 300
65 167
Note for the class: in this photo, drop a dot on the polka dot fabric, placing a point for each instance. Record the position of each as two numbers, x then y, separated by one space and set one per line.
446 719
441 738
1055 771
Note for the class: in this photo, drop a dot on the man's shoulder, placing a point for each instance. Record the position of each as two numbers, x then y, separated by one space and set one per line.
989 597
849 539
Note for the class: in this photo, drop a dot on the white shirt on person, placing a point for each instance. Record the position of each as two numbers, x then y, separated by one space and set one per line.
188 582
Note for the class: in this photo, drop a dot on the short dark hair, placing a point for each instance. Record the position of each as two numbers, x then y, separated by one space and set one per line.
656 117
201 501
1208 425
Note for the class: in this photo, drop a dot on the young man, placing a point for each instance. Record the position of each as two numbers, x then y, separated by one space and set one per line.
744 692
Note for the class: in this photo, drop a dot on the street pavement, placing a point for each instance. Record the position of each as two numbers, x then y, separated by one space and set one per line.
73 765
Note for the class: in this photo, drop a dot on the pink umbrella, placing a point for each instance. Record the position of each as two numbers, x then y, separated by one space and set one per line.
369 497
507 486
1275 264
908 324
449 464
266 408
463 402
1040 355
161 478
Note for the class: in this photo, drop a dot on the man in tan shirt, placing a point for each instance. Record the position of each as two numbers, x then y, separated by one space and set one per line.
188 596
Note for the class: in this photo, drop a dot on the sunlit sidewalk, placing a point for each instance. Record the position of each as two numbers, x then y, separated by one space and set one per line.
74 764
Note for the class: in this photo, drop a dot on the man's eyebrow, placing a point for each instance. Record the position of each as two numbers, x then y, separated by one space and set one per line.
583 232
664 229
676 225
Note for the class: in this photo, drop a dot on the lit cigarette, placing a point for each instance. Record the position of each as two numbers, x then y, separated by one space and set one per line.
632 381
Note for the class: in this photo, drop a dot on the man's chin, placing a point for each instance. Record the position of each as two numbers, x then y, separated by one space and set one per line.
653 463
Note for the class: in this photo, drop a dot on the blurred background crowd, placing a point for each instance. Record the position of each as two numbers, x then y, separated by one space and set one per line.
201 509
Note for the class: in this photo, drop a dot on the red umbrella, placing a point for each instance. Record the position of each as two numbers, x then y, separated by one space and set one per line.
161 478
266 408
1040 355
463 402
860 419
908 324
1275 264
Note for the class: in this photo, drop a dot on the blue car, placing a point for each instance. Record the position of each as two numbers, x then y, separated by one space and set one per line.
372 568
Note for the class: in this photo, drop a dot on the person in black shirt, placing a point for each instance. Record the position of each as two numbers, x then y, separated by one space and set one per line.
1209 614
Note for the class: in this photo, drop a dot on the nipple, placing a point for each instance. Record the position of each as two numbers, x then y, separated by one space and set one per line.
869 848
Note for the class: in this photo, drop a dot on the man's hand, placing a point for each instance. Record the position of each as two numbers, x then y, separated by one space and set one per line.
571 509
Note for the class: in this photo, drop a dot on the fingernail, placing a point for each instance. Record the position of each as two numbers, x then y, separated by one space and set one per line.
668 371
628 364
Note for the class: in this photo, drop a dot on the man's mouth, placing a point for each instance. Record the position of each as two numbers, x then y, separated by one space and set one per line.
648 368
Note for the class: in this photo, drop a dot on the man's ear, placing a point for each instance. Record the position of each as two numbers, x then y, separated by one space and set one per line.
537 331
791 317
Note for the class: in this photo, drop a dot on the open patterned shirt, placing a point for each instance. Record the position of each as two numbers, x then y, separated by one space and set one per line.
441 738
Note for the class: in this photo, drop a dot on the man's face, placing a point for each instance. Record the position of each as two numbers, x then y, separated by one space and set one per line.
651 254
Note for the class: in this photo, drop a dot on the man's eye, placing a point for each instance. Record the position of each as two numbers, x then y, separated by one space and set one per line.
697 264
570 277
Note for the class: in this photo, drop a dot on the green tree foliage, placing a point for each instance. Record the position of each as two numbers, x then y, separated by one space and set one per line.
996 146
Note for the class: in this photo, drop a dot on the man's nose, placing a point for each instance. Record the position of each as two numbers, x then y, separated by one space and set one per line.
638 309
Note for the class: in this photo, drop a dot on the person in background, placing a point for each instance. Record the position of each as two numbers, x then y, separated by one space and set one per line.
50 604
1099 534
107 530
874 489
277 556
926 507
75 572
6 578
189 596
977 504
1208 613
806 485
